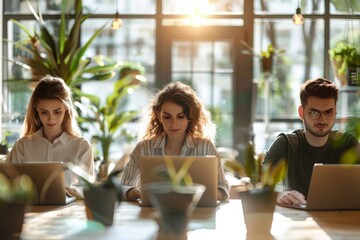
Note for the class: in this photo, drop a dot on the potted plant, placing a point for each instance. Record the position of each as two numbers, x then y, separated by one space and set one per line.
61 55
15 194
106 117
258 197
174 199
100 197
266 56
345 61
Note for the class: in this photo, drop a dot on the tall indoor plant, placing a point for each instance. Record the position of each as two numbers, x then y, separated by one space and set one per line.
61 55
106 117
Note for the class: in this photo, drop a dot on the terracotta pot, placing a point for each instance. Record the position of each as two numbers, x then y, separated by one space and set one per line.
258 209
11 220
266 64
174 206
100 205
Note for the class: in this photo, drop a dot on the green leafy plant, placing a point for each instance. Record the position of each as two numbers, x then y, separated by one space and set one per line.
111 182
269 52
108 117
346 55
19 190
61 55
260 175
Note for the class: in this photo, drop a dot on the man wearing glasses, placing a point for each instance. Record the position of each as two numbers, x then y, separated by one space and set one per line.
316 143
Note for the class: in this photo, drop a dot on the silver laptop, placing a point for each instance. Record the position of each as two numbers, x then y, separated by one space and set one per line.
333 187
203 170
48 179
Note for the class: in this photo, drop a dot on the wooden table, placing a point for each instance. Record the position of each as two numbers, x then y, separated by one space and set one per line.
224 222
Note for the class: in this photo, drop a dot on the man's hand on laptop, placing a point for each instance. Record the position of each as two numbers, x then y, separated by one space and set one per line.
291 198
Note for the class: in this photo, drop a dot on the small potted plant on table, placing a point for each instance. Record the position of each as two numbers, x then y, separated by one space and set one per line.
15 194
258 197
174 199
100 197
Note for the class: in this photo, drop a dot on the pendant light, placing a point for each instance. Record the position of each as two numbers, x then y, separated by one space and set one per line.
117 22
298 19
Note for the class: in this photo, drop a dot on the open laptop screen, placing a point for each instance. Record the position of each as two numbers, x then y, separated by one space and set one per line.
203 170
333 187
48 179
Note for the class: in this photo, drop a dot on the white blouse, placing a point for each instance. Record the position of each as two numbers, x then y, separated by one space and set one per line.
66 148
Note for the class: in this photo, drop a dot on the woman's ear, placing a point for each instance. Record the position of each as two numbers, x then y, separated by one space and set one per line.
301 112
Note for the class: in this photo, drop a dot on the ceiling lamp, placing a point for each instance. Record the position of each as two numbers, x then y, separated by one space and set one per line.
117 22
298 18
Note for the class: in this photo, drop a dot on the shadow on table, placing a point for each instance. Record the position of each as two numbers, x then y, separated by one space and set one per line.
346 222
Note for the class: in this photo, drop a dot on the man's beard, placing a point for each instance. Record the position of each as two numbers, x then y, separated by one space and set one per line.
317 133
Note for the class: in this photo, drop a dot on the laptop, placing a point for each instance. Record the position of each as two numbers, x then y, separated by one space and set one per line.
333 187
203 170
48 179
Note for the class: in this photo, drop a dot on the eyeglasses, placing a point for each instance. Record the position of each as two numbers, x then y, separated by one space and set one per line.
315 114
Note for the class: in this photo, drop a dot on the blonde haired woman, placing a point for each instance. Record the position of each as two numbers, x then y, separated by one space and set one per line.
51 133
177 124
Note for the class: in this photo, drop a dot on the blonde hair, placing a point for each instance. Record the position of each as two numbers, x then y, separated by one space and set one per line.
50 87
200 124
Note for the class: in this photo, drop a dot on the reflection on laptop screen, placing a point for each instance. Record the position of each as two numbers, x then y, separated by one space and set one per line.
203 170
48 179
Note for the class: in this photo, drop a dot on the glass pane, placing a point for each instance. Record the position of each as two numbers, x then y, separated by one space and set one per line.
123 6
278 92
204 6
20 6
134 41
182 77
298 63
203 22
181 56
223 56
223 108
288 6
202 85
345 7
17 93
203 56
222 96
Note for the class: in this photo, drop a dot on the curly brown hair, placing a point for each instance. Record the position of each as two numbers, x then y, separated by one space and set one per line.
200 123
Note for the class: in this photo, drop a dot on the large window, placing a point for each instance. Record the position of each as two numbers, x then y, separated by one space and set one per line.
226 84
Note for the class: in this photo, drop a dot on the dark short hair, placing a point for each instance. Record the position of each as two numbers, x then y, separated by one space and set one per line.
320 87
